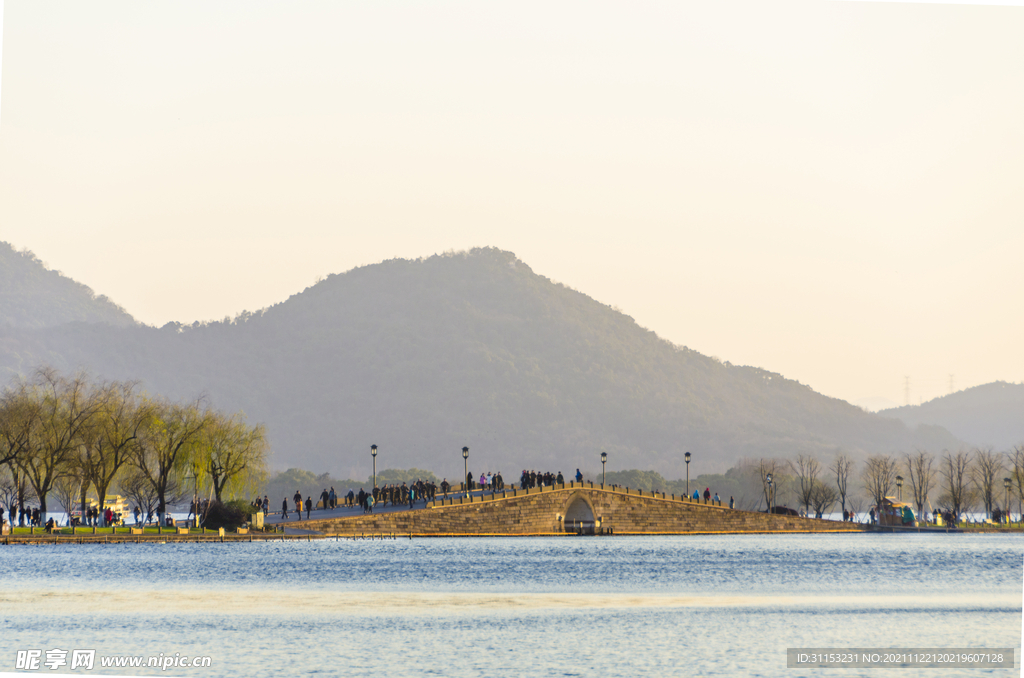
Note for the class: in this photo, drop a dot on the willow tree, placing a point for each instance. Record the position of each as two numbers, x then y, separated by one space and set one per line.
19 419
107 443
66 407
20 412
167 447
231 451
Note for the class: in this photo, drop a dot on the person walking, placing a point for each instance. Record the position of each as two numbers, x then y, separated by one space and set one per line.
309 506
707 494
579 476
284 509
732 502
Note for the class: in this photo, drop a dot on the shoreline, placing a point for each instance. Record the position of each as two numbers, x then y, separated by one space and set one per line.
58 540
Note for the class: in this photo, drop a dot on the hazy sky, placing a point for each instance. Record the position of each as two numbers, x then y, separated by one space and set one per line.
830 190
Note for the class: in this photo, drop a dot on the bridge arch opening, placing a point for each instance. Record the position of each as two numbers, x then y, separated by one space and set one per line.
579 516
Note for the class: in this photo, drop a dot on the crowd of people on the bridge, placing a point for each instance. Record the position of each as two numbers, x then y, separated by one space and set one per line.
529 479
392 494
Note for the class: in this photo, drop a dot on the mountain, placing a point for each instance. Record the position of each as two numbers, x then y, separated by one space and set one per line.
423 357
32 296
990 415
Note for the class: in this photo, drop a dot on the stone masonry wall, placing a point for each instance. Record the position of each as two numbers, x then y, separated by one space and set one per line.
537 512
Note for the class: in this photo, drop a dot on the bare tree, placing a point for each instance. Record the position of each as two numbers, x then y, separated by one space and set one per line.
921 477
8 491
1016 459
985 473
956 471
67 487
841 468
806 470
16 507
879 477
823 498
139 490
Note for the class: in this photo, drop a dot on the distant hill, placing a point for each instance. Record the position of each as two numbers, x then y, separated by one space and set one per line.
423 357
990 415
32 296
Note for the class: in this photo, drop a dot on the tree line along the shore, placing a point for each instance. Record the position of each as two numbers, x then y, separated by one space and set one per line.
65 437
957 482
953 482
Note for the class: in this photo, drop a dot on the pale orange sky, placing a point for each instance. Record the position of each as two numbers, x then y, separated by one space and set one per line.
829 190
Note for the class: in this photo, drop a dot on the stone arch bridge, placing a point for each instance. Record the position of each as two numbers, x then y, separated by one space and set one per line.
571 508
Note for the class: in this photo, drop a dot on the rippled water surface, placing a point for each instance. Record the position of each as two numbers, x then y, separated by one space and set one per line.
700 605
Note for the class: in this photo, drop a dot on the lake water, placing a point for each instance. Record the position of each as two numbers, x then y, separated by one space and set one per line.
701 605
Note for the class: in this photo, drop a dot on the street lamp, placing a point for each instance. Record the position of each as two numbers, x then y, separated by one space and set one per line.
771 492
373 453
195 496
465 469
604 460
687 458
1006 511
899 488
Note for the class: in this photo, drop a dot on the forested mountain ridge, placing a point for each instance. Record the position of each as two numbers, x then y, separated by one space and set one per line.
990 415
33 296
422 357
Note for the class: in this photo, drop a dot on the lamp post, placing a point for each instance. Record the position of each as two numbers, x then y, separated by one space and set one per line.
465 470
687 458
373 453
195 496
899 488
604 460
1006 511
771 491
